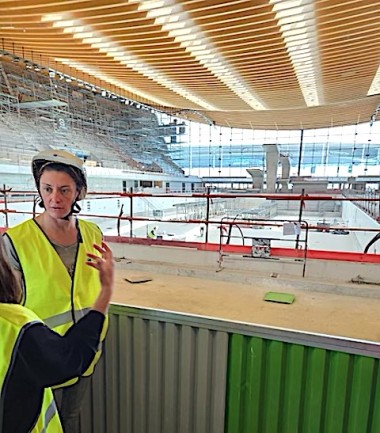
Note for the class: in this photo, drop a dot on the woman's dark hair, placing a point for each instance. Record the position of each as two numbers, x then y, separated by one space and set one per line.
10 289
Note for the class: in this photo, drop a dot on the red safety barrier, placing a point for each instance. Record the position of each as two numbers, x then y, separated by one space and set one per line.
246 250
327 255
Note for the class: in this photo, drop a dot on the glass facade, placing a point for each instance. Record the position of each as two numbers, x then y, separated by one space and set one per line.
206 150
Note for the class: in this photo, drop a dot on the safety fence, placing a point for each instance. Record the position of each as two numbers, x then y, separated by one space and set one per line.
283 222
164 372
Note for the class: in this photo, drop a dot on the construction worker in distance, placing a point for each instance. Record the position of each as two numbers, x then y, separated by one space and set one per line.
49 253
152 234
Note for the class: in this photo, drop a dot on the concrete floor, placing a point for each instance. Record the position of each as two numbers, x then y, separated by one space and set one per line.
191 233
337 312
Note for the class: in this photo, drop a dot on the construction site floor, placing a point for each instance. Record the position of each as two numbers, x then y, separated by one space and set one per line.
339 313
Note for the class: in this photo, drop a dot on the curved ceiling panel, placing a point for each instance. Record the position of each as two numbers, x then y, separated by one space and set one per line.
255 64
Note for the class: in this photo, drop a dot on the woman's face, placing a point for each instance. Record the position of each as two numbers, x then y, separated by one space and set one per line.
58 192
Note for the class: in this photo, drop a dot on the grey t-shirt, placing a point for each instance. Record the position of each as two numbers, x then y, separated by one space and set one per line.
67 255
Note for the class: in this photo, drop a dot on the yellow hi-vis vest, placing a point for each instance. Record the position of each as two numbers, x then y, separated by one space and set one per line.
14 320
49 290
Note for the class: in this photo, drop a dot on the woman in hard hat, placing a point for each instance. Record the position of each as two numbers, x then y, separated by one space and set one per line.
34 357
49 252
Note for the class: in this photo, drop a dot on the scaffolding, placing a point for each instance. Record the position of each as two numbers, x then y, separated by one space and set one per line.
49 109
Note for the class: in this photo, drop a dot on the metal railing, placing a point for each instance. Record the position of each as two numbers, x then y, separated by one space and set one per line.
133 217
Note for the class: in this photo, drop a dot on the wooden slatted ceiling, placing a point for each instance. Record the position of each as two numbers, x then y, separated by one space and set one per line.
350 49
243 71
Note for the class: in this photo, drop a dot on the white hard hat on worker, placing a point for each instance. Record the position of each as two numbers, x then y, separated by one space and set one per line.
61 160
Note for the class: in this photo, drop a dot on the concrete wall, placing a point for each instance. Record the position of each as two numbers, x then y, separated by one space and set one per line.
353 216
320 275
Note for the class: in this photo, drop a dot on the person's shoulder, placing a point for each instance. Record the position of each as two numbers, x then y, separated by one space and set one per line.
19 315
89 225
19 227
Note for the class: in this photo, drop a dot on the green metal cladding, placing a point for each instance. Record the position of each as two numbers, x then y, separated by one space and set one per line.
277 387
165 372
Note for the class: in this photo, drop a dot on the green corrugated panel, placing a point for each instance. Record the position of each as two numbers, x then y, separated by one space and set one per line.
244 381
374 423
166 373
336 392
254 361
273 375
236 388
313 382
293 392
276 387
362 380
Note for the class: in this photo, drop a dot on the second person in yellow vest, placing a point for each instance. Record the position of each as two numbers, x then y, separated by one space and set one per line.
33 357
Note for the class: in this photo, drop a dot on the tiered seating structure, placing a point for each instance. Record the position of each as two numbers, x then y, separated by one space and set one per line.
41 109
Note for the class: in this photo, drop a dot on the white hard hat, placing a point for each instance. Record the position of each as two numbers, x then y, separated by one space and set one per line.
56 156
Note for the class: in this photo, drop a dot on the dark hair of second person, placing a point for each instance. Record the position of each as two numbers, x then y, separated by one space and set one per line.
10 290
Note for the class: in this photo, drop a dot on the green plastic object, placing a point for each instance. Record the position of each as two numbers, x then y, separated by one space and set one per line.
282 298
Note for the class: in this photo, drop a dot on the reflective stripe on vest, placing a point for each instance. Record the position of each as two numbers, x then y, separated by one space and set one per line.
49 414
64 318
48 421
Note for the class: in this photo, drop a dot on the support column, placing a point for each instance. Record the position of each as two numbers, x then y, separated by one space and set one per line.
285 173
257 178
272 154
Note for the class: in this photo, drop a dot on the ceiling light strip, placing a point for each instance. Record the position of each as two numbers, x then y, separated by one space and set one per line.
297 18
105 45
375 85
179 25
95 72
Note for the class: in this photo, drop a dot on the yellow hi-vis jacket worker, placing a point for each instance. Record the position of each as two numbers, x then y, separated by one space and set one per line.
14 321
56 298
